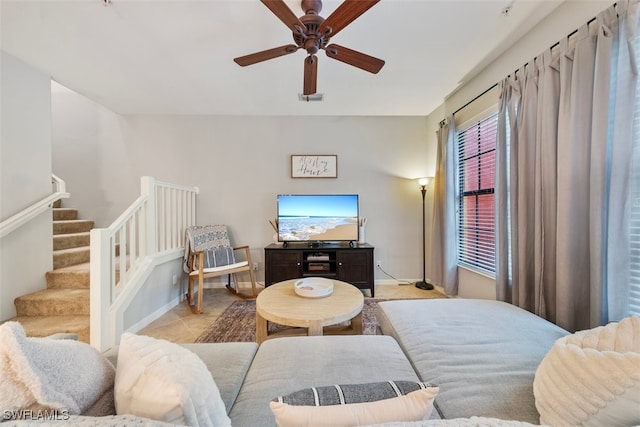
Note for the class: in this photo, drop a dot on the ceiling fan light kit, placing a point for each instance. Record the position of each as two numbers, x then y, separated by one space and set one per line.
312 32
308 98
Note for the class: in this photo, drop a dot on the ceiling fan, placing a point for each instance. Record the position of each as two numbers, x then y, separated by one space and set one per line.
312 32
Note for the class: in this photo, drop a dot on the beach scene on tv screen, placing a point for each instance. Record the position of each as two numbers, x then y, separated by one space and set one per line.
323 218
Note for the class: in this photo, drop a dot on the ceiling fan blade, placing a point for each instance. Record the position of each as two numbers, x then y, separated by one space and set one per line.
355 58
282 11
310 75
346 13
264 55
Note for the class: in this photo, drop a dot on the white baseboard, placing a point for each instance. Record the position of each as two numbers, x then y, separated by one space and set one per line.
385 282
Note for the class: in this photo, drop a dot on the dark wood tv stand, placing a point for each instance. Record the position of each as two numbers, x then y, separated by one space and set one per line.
340 261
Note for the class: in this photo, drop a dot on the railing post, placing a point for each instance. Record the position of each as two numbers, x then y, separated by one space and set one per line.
100 289
61 186
148 190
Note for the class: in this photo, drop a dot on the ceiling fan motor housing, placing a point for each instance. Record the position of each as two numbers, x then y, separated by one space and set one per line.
311 7
311 40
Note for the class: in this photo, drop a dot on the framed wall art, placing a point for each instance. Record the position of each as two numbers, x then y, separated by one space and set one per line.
314 166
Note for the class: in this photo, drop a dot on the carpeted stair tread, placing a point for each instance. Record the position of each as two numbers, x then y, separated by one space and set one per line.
85 266
73 276
53 302
72 256
70 240
64 214
42 326
72 226
64 305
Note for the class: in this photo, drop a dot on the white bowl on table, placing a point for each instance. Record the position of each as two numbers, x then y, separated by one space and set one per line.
313 287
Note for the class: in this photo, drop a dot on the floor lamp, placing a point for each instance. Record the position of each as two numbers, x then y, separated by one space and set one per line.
422 182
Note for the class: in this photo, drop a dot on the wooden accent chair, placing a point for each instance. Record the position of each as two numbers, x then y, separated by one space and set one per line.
208 253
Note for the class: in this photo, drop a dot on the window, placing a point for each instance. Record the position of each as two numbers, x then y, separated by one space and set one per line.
476 207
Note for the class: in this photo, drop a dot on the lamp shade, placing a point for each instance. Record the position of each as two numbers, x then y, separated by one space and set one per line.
422 182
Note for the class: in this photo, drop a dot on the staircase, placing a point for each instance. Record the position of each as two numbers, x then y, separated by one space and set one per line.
64 305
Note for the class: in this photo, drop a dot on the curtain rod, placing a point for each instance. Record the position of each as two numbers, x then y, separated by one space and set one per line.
474 99
556 44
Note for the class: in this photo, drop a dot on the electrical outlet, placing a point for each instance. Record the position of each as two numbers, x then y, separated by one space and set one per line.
255 266
175 279
378 264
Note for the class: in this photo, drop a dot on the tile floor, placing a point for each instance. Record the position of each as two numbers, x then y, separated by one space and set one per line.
180 325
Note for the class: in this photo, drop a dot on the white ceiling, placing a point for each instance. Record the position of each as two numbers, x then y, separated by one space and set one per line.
176 56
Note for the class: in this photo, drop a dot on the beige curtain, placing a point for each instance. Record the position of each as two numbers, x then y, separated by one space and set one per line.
443 259
551 177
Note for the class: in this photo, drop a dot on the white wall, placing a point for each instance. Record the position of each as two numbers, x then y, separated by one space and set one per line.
26 254
242 163
89 154
156 297
563 21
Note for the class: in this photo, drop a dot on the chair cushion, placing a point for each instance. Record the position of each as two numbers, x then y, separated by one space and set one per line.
216 257
221 268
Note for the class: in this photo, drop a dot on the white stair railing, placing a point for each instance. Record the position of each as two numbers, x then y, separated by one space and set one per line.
18 220
124 254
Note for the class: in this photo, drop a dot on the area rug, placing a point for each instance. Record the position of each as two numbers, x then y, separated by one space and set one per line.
238 322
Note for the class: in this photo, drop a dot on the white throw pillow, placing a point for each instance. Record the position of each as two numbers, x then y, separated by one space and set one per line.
413 406
41 373
164 381
592 378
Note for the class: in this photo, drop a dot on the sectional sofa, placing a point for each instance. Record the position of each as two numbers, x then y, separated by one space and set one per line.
483 357
482 354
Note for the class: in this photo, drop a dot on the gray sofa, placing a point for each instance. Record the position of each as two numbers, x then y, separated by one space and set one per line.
249 376
482 355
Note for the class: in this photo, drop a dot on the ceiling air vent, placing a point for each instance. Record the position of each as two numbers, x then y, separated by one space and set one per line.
312 97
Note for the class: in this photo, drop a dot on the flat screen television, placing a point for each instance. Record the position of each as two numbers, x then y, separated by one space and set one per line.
316 218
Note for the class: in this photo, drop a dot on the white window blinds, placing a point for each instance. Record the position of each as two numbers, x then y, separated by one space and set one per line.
476 210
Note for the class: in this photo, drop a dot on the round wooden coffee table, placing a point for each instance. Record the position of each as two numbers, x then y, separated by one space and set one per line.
280 304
